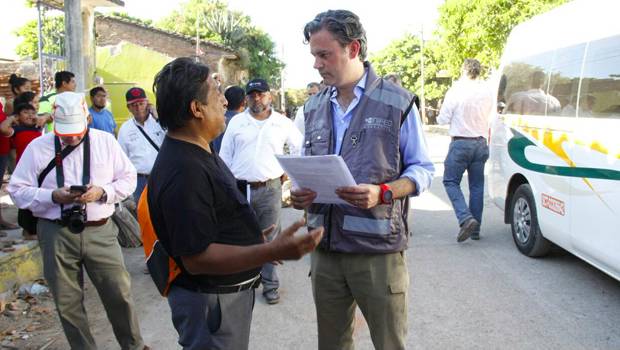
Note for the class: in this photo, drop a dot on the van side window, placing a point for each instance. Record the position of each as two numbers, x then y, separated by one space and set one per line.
600 85
564 79
527 81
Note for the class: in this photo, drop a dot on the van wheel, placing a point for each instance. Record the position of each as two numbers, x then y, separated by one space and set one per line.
524 223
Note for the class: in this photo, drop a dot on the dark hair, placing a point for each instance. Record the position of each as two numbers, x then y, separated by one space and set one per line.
472 68
344 25
62 76
234 96
313 84
95 90
22 107
17 82
176 85
24 98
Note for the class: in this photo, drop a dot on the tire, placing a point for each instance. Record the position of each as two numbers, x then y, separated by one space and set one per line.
524 224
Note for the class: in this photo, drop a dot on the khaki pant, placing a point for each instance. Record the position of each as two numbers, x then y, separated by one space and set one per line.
377 283
65 255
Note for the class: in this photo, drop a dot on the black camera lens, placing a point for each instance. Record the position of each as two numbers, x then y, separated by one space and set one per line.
76 225
74 219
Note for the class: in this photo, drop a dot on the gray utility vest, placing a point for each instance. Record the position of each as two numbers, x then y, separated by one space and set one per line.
370 148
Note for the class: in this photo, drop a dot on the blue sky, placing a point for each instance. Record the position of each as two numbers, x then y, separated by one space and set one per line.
283 20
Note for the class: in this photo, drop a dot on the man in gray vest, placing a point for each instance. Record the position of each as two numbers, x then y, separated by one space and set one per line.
370 122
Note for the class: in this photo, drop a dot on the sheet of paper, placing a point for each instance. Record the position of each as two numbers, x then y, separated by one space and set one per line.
322 174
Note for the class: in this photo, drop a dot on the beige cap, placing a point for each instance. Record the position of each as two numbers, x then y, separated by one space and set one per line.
70 114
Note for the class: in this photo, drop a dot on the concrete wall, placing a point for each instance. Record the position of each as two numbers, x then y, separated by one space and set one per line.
124 66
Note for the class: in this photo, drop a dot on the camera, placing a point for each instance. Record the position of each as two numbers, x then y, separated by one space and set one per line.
74 218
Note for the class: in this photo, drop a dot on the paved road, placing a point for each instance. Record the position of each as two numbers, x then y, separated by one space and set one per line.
475 295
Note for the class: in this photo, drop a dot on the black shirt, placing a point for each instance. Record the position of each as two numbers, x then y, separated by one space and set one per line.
194 201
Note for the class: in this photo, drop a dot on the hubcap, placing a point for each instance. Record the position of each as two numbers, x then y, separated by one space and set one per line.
522 220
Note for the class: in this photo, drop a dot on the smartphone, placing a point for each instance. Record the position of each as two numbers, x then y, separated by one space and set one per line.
78 189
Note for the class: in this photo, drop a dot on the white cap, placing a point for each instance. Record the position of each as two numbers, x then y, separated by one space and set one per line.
70 114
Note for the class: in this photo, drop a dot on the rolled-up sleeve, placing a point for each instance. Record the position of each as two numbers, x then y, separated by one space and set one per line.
418 166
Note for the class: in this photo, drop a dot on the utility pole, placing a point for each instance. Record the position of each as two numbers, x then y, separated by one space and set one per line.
40 48
73 39
422 100
282 92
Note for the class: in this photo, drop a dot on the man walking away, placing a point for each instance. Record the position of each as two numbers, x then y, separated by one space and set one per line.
466 108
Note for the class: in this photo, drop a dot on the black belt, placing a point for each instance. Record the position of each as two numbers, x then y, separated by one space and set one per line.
93 223
254 283
143 175
454 138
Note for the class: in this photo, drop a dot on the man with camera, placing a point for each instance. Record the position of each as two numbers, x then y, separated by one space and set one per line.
70 180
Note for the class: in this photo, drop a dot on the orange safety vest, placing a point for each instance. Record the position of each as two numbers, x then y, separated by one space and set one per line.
162 268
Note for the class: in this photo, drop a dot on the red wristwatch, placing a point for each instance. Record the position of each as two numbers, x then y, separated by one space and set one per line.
386 196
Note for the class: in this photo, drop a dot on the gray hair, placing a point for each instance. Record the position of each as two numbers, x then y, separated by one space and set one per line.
344 25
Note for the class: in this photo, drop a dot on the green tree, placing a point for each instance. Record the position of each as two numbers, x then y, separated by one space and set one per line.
231 28
479 28
53 31
403 57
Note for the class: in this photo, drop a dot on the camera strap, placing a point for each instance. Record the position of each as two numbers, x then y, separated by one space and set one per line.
60 176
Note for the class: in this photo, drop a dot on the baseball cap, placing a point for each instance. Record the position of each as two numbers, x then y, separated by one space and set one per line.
256 85
135 94
70 114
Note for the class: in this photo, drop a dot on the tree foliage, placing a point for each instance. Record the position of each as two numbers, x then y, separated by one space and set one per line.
53 30
218 24
479 28
403 57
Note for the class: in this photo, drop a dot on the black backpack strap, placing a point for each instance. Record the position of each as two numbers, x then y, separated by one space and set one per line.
148 138
403 117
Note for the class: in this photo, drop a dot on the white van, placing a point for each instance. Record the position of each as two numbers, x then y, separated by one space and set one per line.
555 143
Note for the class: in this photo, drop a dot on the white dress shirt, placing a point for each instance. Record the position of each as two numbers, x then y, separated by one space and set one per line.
467 108
139 150
109 168
300 120
249 146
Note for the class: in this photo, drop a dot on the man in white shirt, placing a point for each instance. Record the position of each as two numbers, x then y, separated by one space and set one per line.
251 142
140 136
73 198
467 107
312 89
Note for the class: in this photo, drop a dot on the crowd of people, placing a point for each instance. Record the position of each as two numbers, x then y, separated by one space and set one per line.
201 164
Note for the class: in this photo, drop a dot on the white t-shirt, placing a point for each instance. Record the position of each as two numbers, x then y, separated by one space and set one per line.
249 146
139 150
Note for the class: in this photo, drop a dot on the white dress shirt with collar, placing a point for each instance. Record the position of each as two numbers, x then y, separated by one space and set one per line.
141 153
249 146
109 168
467 108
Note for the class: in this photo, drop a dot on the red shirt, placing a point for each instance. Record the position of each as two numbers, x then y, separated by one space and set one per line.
4 141
22 136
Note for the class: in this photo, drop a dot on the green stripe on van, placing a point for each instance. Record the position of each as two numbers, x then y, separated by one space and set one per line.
516 150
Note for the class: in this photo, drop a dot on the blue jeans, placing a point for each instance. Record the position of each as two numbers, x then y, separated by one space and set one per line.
470 155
